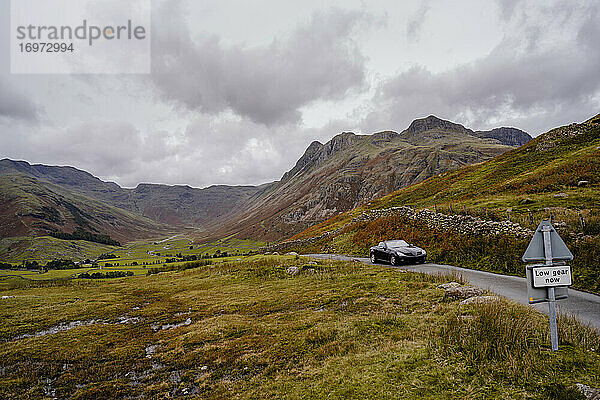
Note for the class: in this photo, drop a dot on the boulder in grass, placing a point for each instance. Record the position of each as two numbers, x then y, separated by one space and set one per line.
588 392
462 292
292 253
448 285
480 300
292 271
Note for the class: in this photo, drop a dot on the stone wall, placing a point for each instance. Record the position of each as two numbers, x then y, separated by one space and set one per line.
463 224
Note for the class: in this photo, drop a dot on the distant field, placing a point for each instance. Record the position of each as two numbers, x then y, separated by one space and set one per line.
46 248
249 329
145 254
62 274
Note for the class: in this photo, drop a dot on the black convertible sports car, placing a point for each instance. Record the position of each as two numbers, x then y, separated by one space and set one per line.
396 252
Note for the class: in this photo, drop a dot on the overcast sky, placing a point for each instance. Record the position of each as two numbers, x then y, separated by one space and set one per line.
239 89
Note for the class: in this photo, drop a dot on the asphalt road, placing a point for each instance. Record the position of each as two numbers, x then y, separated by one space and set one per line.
584 305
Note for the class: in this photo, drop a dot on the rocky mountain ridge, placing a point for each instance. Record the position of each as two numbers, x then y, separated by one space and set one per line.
352 169
178 206
328 179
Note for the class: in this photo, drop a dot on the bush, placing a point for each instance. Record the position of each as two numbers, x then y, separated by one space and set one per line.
182 267
107 256
61 264
108 274
5 265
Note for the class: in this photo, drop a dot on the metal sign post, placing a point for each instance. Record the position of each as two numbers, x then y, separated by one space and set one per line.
551 299
553 277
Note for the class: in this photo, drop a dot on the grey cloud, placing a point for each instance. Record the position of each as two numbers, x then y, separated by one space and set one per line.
212 150
225 150
507 8
415 23
266 84
518 82
16 105
99 147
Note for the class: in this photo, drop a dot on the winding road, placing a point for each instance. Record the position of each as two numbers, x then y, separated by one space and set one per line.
585 306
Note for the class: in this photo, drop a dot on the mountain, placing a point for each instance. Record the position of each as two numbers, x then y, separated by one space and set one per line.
328 179
558 172
29 206
353 169
487 212
563 161
38 195
507 136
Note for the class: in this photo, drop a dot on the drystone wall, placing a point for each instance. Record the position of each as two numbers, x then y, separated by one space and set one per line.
464 224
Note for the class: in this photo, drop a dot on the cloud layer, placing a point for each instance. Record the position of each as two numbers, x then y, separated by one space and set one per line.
317 61
218 109
527 77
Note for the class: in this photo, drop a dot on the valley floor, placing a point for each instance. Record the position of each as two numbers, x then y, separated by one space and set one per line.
281 327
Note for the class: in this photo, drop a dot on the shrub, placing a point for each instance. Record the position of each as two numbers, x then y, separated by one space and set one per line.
182 267
108 274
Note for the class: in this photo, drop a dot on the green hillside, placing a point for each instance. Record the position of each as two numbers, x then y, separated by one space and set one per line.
528 176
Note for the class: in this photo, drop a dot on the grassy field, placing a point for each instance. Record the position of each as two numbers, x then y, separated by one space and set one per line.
249 329
137 257
12 278
46 248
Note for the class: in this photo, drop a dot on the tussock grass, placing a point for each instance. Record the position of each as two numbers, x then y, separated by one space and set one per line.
507 340
572 332
334 330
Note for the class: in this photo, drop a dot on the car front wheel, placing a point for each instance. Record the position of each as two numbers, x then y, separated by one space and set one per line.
394 260
373 259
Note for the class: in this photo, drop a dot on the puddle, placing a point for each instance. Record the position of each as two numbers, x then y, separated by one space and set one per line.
129 320
150 350
66 326
179 314
62 327
157 366
170 326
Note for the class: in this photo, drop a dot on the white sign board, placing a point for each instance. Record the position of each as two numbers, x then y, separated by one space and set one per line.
552 276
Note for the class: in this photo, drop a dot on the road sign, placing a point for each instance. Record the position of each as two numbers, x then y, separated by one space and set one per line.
540 295
552 276
546 245
535 251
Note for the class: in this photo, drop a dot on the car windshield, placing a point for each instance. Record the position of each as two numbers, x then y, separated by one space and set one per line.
396 243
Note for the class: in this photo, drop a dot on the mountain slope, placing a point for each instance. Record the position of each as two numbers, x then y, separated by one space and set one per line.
461 217
176 206
557 170
352 169
328 179
33 207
